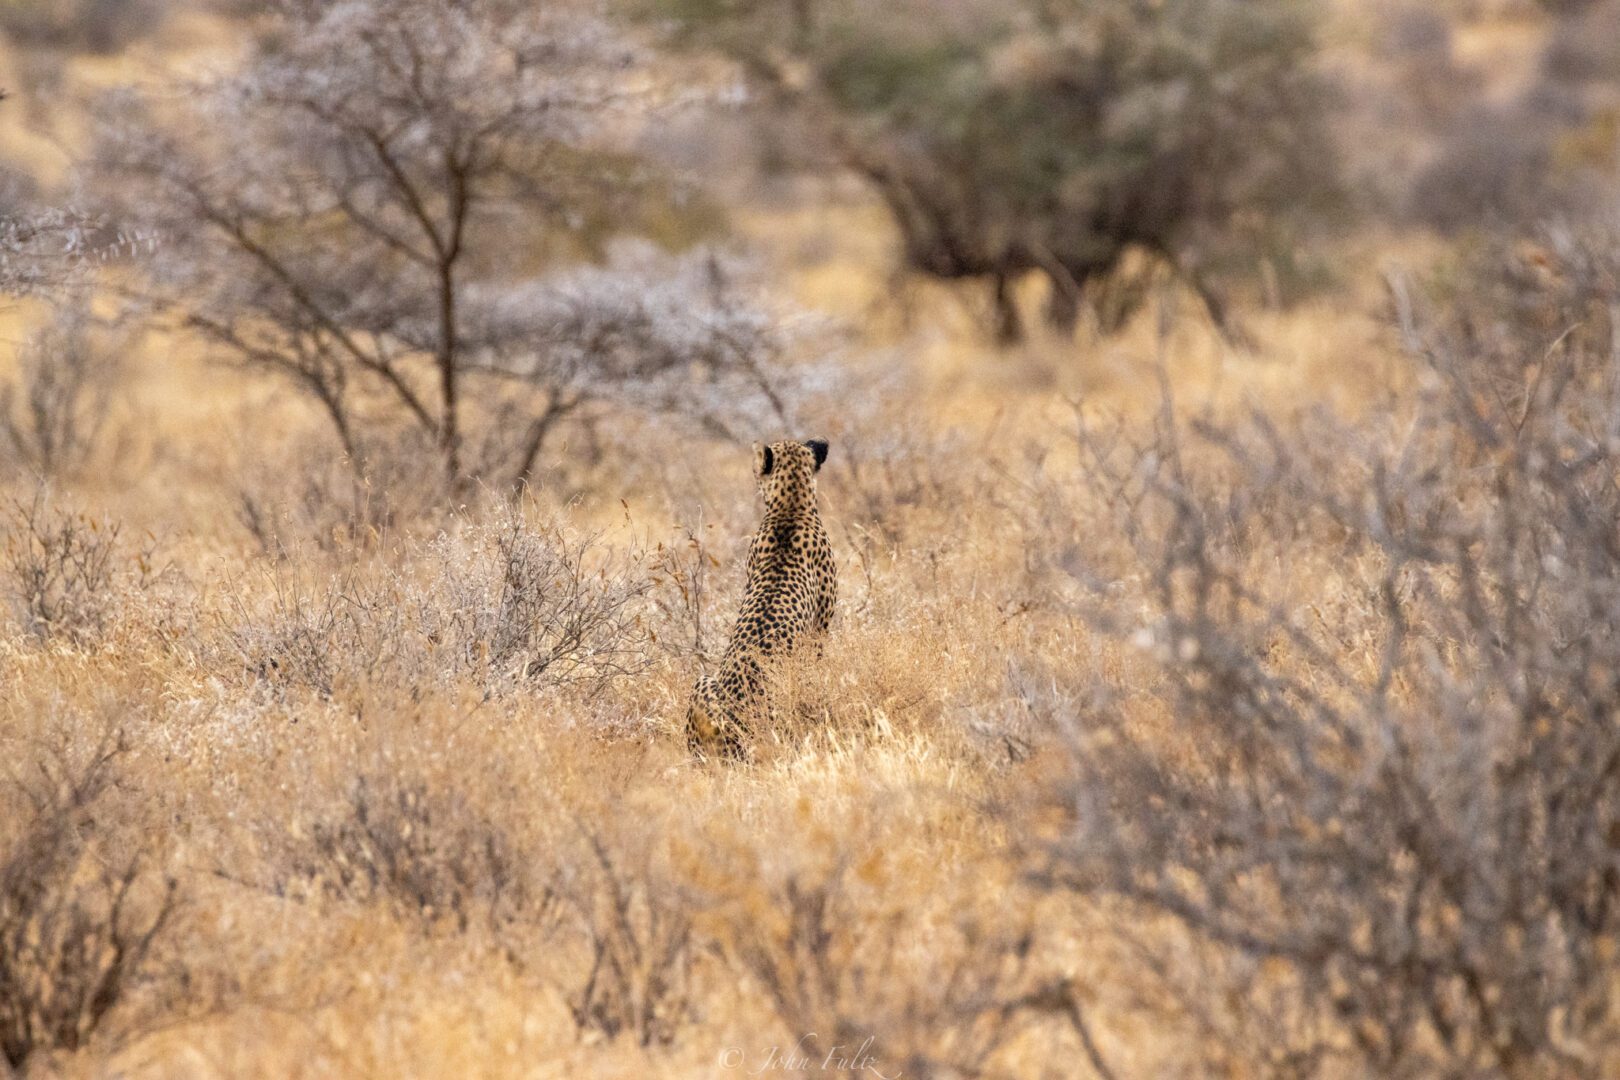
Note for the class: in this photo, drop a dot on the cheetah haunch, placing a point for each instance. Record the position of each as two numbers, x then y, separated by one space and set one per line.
787 604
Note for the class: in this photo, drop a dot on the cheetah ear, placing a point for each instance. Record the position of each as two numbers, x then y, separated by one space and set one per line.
819 448
764 459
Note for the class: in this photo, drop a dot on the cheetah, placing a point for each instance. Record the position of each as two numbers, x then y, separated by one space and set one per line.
788 601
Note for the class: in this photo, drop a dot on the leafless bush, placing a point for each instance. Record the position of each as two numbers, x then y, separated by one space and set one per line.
305 493
426 851
78 919
508 604
542 614
887 479
60 567
637 928
683 594
1392 800
840 957
309 636
53 413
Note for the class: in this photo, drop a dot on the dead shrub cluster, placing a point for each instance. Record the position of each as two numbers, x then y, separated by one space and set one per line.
427 852
499 604
635 922
852 940
67 573
80 914
54 411
1390 803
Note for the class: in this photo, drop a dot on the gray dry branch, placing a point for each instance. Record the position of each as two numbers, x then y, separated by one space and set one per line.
54 411
59 569
78 918
506 603
431 854
40 249
47 250
1393 802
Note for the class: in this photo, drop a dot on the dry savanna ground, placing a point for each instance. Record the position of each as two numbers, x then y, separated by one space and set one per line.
352 781
396 855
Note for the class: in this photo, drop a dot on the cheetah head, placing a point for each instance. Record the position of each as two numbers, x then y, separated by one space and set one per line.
787 470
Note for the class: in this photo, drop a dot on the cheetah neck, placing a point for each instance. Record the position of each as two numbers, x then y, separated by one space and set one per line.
791 507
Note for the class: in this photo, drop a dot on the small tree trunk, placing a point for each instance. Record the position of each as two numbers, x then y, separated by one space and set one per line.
449 251
557 407
449 427
1063 304
1009 326
1214 301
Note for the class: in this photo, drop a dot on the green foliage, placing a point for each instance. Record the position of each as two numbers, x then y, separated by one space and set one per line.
1053 134
903 78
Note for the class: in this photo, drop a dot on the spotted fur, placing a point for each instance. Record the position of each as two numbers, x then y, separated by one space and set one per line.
788 602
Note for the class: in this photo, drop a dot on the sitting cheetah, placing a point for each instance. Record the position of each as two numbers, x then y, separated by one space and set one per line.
788 600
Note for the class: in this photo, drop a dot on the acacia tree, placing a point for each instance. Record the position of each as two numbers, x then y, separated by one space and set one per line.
366 204
1049 136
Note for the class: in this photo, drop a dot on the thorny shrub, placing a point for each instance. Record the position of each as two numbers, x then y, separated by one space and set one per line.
684 587
1390 801
54 412
306 493
63 570
505 603
636 925
78 917
428 852
830 935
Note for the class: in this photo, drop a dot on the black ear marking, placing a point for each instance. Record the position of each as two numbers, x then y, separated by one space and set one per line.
767 460
819 448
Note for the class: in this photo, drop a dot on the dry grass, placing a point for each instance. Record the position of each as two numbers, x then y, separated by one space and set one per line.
419 776
400 855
